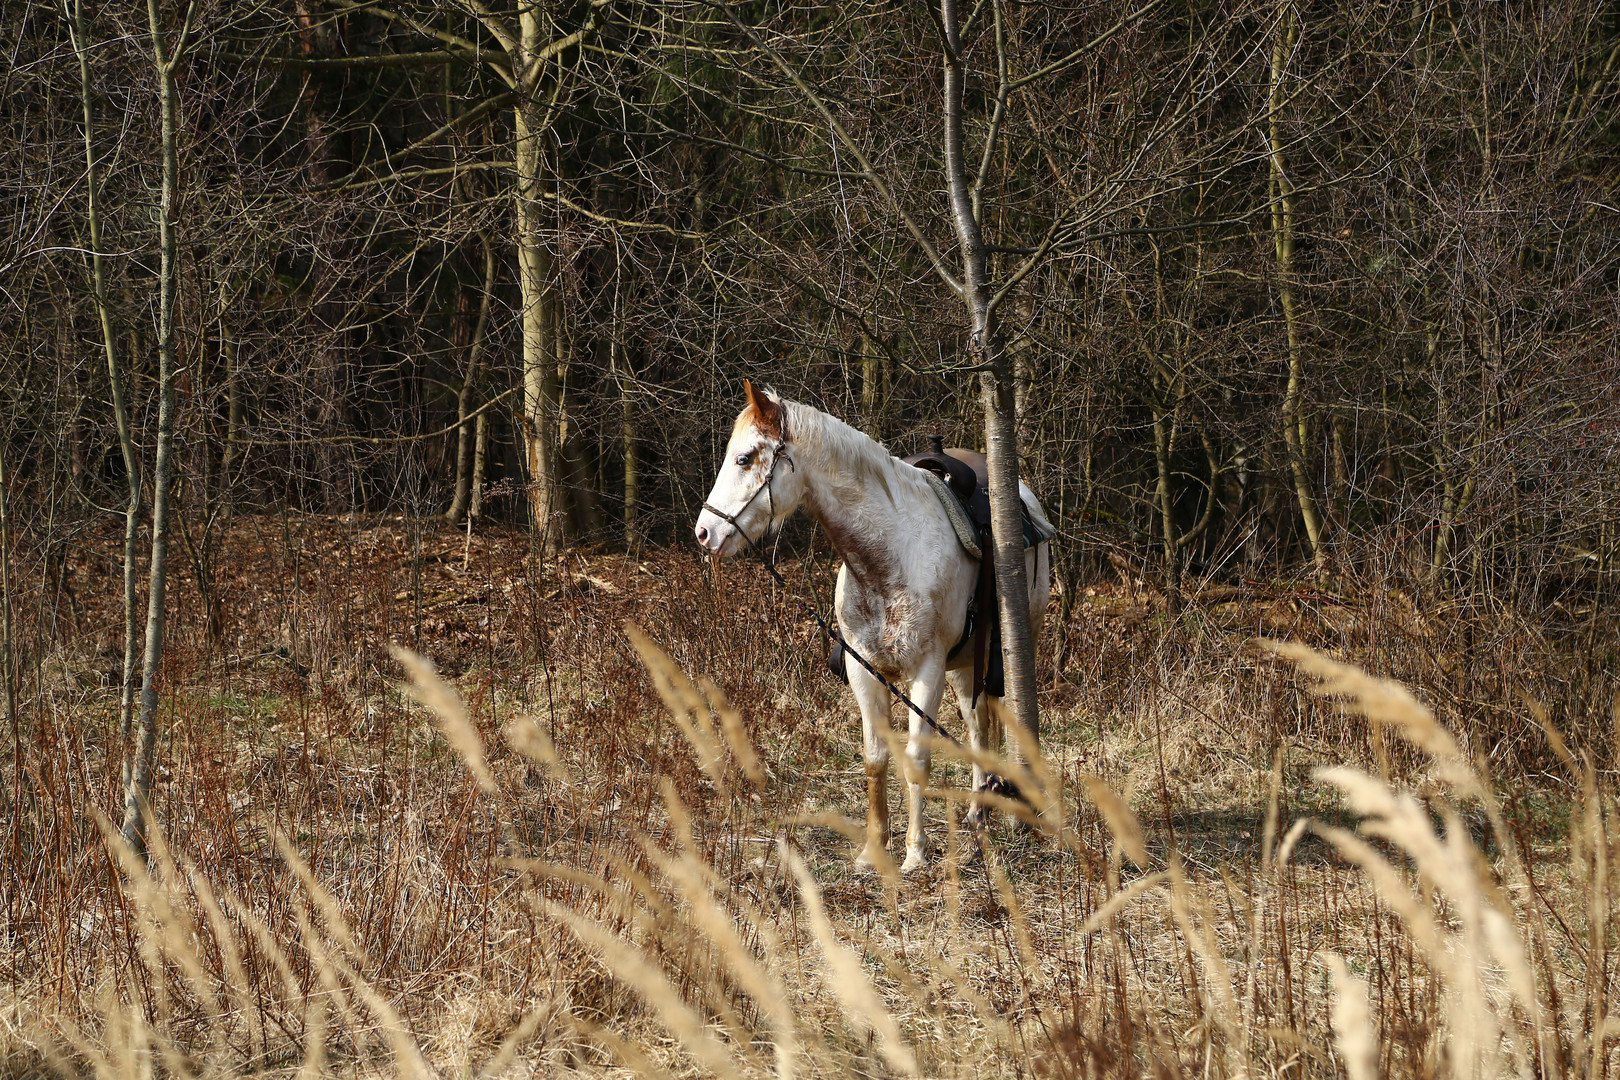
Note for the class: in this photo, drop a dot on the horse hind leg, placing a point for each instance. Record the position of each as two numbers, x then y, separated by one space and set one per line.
977 720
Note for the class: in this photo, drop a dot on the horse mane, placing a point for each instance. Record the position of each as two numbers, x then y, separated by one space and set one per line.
851 451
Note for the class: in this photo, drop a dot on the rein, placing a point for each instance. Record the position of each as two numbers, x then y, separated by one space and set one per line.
993 782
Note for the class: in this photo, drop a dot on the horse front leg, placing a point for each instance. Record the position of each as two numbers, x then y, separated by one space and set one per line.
873 700
926 689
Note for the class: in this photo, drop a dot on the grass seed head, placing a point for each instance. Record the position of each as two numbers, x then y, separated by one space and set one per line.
1353 1034
845 977
447 707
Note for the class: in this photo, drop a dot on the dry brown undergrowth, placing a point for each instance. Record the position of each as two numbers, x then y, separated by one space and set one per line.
620 885
1064 957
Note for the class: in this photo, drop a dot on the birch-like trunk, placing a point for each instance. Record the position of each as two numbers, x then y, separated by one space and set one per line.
138 787
109 340
536 281
1295 438
522 59
465 434
998 394
475 508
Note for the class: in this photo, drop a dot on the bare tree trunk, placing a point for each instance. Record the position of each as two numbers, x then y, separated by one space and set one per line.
465 434
619 363
233 410
998 393
873 372
542 391
475 507
1295 438
1164 434
1022 357
8 671
522 60
632 466
579 463
1338 493
138 788
109 340
1453 501
621 369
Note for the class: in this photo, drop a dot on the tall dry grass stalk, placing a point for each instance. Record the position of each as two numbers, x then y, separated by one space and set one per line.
701 923
426 687
1473 939
1354 1035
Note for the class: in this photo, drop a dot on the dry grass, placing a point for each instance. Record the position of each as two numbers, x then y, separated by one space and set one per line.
570 850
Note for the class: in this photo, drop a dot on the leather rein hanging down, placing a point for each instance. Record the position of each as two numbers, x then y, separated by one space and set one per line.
993 782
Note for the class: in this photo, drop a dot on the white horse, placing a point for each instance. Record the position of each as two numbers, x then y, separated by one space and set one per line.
903 589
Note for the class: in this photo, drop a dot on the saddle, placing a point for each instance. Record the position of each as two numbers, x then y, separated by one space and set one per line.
966 474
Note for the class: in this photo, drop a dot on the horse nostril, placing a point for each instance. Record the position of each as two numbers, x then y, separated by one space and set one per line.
702 535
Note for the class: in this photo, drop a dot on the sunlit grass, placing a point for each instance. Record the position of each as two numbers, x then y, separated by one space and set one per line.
1211 891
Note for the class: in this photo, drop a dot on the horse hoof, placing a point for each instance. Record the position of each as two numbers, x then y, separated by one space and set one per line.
915 860
870 856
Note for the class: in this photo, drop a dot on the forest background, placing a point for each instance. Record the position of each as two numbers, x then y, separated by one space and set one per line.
1282 284
1310 308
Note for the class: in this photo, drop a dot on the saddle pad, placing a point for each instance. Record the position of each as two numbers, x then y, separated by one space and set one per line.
966 533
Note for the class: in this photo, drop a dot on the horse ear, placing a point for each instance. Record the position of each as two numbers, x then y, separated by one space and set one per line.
767 410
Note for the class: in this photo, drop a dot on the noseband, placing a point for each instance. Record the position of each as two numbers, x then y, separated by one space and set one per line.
780 455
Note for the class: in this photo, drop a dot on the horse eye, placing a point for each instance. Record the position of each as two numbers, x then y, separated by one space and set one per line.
746 459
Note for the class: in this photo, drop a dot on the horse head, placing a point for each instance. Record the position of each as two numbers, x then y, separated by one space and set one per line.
759 484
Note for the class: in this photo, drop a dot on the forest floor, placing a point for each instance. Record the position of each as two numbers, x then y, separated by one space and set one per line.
338 893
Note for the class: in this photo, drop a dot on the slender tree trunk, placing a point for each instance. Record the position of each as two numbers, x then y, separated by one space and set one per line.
9 668
1022 357
1454 500
580 463
1338 494
475 507
115 380
632 465
872 379
619 363
1164 434
998 393
233 411
8 672
611 201
539 417
1295 438
138 789
465 434
542 391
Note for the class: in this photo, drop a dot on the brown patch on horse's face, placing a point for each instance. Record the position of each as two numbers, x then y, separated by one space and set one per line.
763 413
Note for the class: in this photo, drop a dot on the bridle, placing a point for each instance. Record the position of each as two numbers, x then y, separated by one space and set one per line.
778 456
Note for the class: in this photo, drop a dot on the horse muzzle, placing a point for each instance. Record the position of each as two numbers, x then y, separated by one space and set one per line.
717 535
